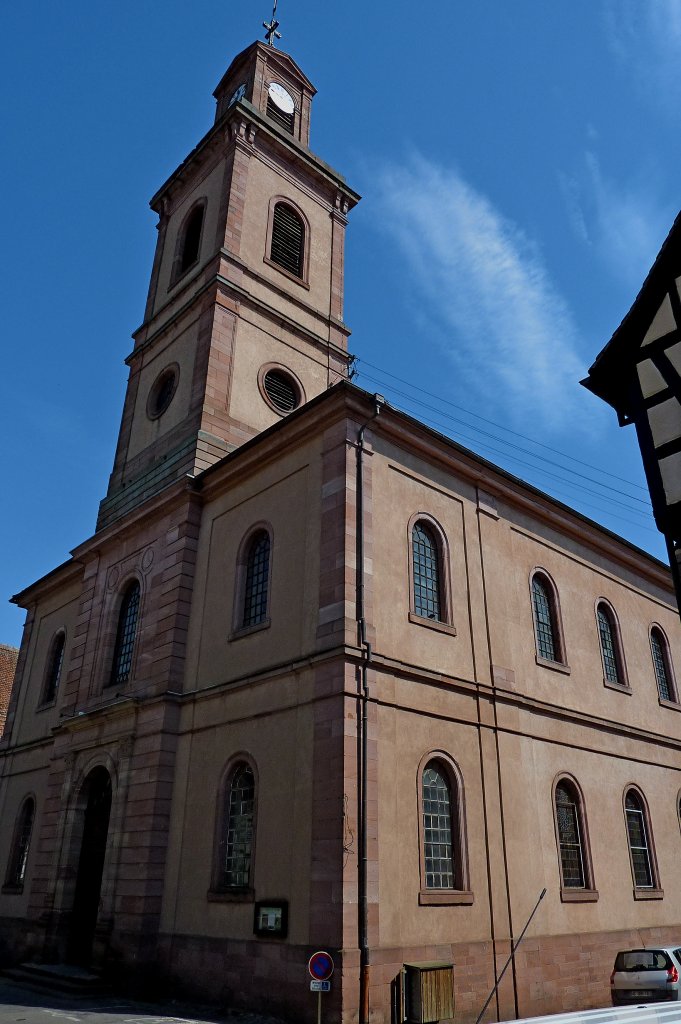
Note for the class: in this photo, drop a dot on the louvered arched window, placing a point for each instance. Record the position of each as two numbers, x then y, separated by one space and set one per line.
426 572
546 623
642 865
126 631
611 651
662 664
21 841
237 832
569 827
257 576
287 246
53 670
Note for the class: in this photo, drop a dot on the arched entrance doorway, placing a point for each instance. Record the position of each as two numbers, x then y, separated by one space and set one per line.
96 798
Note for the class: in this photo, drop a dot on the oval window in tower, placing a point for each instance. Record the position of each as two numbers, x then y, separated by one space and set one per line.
281 390
163 391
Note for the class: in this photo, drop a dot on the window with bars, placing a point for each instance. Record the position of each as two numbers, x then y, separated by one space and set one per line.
287 247
121 664
54 667
257 580
662 665
637 834
236 841
610 649
440 828
570 842
426 572
16 868
546 619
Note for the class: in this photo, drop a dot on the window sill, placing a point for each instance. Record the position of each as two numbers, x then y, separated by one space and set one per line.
672 704
46 705
648 894
578 895
287 273
620 687
555 666
445 898
230 896
181 276
440 627
247 630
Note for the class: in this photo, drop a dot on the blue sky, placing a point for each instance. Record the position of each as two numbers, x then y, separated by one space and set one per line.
518 161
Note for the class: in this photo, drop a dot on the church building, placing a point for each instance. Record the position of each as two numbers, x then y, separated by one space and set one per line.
322 679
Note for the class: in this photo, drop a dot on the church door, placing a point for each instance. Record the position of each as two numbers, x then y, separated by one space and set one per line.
97 797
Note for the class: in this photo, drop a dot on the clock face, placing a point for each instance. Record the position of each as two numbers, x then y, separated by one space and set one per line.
238 94
281 98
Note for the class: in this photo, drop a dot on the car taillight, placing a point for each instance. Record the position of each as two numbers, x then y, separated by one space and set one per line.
612 978
672 974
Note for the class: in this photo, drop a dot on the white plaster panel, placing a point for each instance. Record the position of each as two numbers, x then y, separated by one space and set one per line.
663 323
674 354
650 378
670 468
665 421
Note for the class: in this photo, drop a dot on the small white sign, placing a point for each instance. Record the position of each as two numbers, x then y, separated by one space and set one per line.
320 986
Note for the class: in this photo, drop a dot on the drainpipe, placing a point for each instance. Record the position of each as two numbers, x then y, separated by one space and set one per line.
363 698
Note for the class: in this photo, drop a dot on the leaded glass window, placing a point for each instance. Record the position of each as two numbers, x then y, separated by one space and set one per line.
569 837
257 580
288 239
608 638
548 645
660 654
438 850
121 666
237 843
638 842
54 667
16 870
426 572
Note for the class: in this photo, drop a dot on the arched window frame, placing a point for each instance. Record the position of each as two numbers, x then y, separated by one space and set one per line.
304 278
115 625
559 663
654 890
678 807
657 631
20 849
53 672
445 623
219 889
240 580
460 893
587 892
622 683
178 271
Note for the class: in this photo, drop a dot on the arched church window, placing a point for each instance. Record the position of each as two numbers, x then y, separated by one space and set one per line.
287 247
237 832
257 580
546 619
638 834
21 841
662 664
121 665
426 572
191 241
611 648
569 811
55 662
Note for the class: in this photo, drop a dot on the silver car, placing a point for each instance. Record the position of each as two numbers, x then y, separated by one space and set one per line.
646 975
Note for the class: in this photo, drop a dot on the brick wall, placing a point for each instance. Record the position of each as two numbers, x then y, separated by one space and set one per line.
8 664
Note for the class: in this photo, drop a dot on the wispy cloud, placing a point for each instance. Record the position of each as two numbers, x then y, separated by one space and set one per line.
623 221
647 37
487 293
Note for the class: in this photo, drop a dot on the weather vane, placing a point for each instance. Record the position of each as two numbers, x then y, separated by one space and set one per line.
272 26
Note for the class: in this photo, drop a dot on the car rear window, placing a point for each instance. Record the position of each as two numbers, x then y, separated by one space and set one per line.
642 960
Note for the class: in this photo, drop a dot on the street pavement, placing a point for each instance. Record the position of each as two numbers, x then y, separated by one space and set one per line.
19 1005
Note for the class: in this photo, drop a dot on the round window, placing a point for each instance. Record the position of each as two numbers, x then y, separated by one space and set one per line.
162 391
282 390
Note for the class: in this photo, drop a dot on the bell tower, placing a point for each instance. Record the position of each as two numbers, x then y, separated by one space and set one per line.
244 317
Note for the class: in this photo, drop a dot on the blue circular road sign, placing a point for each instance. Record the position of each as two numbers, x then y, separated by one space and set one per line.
320 966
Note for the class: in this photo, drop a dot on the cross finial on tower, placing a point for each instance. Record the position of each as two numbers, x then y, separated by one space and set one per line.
271 34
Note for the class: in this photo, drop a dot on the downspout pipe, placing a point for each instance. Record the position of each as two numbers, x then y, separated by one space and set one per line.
363 697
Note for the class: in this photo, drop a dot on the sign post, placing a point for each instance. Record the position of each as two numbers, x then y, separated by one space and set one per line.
320 967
